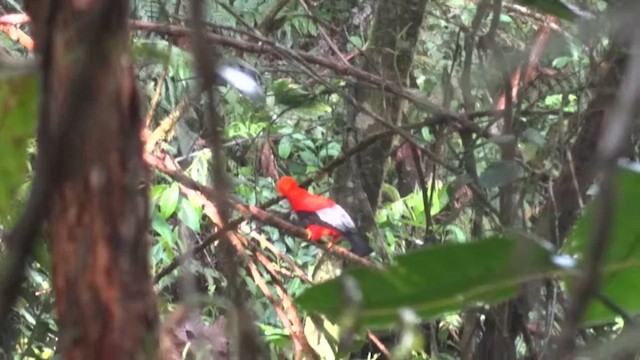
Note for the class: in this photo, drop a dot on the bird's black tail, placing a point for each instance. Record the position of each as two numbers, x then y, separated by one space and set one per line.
359 244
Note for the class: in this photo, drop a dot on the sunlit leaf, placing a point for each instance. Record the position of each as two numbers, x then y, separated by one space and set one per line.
190 215
169 200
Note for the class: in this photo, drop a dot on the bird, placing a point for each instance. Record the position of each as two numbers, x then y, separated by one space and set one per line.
322 216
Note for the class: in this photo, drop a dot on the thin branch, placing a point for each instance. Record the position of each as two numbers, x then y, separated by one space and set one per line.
383 349
286 313
269 245
268 22
245 341
323 33
155 99
287 302
268 46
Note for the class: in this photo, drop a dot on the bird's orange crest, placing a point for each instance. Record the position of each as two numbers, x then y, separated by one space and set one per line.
286 184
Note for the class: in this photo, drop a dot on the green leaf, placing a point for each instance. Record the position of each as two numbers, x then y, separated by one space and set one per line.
561 62
284 147
437 280
169 200
276 336
427 135
157 190
190 215
308 157
331 150
18 109
287 93
356 41
504 18
621 270
163 229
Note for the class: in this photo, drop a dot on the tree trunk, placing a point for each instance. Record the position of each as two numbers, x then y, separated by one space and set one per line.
98 222
392 42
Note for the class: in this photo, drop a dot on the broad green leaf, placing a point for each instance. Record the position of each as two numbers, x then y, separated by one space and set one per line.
190 215
160 226
284 147
332 149
437 280
169 200
621 270
18 113
157 190
308 157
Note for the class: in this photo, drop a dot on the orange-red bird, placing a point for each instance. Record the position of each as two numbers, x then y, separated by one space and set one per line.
322 216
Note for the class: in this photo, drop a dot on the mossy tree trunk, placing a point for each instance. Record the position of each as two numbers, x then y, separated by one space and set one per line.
392 41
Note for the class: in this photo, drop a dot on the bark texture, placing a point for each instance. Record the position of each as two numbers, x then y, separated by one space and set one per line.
98 223
392 42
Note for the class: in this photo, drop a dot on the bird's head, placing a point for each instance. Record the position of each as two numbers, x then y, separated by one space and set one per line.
286 184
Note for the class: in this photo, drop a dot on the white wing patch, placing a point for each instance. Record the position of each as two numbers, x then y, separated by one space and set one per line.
337 217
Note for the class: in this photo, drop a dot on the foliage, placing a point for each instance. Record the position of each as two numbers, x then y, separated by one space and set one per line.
18 104
299 129
623 255
414 280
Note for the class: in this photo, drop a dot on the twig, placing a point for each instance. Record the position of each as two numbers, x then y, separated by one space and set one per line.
155 99
628 320
287 302
324 35
537 49
269 20
262 285
268 46
265 45
383 349
264 242
240 244
243 335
